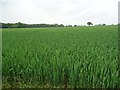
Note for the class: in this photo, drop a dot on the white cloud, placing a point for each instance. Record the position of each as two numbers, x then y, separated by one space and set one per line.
60 11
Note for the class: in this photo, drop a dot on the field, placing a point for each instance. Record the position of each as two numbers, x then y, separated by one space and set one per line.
64 57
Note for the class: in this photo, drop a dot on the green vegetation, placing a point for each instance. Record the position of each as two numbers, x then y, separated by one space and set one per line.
23 25
60 57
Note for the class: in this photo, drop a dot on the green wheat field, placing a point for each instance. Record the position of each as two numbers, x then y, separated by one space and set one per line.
60 57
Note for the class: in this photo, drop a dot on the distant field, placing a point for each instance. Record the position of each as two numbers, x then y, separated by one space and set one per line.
60 57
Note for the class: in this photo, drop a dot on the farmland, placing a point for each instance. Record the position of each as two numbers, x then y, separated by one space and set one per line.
61 57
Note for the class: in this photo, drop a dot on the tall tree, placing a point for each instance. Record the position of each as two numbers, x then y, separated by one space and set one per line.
19 25
89 23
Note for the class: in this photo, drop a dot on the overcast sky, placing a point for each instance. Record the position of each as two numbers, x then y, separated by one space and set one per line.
66 12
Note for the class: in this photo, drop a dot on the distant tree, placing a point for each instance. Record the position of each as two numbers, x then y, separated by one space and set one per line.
56 25
19 25
61 25
69 25
89 23
23 25
103 24
8 25
75 25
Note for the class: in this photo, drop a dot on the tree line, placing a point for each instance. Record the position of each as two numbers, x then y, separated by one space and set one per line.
23 25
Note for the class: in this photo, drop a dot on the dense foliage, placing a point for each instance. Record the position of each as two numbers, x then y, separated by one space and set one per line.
23 25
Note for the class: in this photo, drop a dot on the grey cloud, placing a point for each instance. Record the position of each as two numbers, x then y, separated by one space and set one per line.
60 11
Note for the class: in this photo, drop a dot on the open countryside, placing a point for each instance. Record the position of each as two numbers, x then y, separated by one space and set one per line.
60 57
